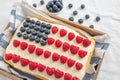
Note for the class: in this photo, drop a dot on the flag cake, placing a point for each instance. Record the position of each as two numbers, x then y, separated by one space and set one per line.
49 51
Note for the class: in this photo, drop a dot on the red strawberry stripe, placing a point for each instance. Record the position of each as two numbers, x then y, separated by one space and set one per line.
79 39
39 51
63 59
24 62
41 67
23 45
74 49
86 42
79 66
75 78
31 48
71 36
16 43
15 58
58 73
82 53
63 32
50 71
55 56
65 46
54 29
50 40
8 56
58 43
67 76
33 65
47 54
70 62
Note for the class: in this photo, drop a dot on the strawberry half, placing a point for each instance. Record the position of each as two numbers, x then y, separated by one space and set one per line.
65 46
8 56
58 73
79 39
63 32
58 43
54 29
39 51
24 62
33 65
86 42
50 71
63 59
41 67
67 76
16 43
47 54
78 66
50 40
74 49
70 62
31 48
71 36
82 53
75 78
55 56
15 58
23 45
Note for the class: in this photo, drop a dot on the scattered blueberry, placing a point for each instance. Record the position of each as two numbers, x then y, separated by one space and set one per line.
48 26
19 34
97 18
39 35
75 13
80 21
71 18
38 23
25 24
43 24
33 21
47 31
31 26
43 42
45 37
87 16
27 19
70 5
32 38
82 6
42 2
36 28
34 32
37 40
41 29
91 26
25 36
35 5
28 31
22 29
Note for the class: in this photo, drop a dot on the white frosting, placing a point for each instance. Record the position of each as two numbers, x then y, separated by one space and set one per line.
52 48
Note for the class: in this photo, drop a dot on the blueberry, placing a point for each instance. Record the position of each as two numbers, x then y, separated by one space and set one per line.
31 26
43 42
43 24
50 4
22 29
48 26
39 35
42 2
32 38
70 5
36 28
55 8
19 34
82 6
75 13
25 36
60 1
33 21
34 32
37 40
28 31
55 1
27 19
25 24
80 21
41 29
50 10
59 5
91 26
35 5
71 18
47 31
87 16
97 18
38 23
45 37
